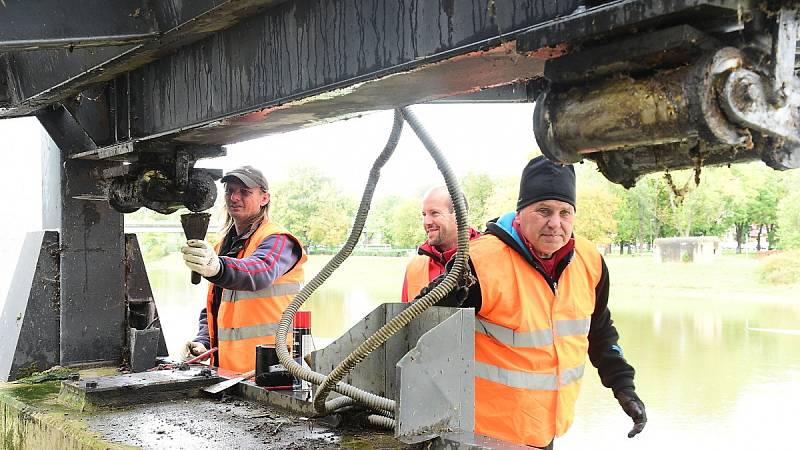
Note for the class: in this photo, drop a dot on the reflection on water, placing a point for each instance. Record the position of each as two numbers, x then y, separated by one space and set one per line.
707 381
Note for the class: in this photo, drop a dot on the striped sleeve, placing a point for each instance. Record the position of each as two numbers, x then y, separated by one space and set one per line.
274 257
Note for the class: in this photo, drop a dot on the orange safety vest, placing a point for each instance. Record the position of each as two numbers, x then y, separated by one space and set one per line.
530 343
417 276
247 319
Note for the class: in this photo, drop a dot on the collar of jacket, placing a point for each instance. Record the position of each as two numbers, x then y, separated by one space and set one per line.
503 229
442 258
233 244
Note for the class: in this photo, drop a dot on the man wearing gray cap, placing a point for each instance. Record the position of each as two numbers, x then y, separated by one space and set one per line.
253 274
541 305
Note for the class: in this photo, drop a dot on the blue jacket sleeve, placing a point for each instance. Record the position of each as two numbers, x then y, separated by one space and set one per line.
276 255
202 332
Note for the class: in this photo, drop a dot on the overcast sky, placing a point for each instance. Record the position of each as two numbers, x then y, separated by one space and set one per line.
489 138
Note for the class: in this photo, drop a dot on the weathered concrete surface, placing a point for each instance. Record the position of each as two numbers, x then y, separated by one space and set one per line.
32 418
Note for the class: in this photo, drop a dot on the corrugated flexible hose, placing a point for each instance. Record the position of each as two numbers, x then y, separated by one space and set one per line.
332 382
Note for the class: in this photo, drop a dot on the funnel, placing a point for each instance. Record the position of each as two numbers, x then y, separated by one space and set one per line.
195 226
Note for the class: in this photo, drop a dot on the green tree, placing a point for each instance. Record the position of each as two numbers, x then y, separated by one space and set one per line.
405 224
380 219
503 200
770 188
708 208
312 207
788 221
628 217
644 213
479 190
595 205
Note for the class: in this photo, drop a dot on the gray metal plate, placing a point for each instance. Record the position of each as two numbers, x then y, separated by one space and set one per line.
436 381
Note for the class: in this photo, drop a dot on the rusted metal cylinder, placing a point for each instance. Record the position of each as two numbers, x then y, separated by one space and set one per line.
622 113
617 114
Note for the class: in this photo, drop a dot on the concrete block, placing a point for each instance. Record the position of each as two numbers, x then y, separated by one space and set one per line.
29 323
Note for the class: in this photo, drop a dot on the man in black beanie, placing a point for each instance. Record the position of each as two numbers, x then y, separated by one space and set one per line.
541 303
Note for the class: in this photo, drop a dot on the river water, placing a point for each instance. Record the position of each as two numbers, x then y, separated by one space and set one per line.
717 356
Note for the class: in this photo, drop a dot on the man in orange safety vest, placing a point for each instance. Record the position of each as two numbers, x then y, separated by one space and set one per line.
541 303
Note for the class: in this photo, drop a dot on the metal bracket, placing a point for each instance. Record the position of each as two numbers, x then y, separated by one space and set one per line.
159 175
435 383
667 48
770 107
784 41
616 17
746 101
182 165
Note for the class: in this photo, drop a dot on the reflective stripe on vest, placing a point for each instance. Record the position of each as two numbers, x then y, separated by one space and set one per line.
253 331
511 338
570 376
527 380
577 327
516 379
538 338
271 291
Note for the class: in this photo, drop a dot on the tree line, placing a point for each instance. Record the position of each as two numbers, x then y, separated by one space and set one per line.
738 198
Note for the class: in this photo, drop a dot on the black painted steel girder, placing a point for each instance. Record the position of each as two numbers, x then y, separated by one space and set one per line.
620 15
312 62
40 78
28 25
303 63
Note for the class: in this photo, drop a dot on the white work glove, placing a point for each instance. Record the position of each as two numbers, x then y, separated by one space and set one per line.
192 349
200 257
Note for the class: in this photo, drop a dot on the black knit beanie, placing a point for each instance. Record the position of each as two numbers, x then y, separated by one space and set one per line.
545 180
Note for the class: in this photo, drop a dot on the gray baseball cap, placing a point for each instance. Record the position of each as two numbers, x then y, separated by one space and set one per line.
249 176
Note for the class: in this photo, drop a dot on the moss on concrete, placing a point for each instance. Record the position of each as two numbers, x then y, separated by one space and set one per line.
27 371
32 393
372 441
31 418
54 373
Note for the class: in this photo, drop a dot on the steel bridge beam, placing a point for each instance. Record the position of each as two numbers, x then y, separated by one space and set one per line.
39 78
55 24
313 62
298 64
310 62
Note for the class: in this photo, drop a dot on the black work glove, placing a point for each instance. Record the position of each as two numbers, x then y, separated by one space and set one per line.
424 291
634 408
454 298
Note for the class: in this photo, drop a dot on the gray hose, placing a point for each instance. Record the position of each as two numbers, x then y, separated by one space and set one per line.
449 283
369 399
342 404
381 421
338 403
333 380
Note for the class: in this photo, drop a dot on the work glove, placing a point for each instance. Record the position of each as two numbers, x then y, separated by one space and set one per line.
192 349
634 408
201 258
454 298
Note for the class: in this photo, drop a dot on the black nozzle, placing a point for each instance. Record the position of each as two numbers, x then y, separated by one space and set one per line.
195 226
